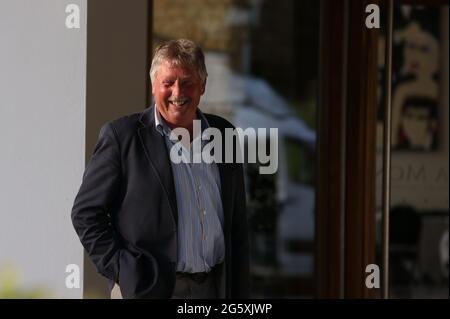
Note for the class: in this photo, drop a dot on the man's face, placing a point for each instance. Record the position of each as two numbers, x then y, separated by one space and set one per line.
177 91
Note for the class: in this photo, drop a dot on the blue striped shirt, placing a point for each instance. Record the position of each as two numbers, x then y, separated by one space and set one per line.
200 214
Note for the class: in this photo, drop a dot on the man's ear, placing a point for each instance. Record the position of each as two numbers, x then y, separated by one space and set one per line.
203 87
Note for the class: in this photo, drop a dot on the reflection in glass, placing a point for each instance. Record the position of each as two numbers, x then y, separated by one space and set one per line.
419 211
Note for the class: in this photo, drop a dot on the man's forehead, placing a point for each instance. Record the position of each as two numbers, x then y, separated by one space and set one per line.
172 67
174 64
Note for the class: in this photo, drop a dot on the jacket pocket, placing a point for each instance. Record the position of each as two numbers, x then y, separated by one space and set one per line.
138 274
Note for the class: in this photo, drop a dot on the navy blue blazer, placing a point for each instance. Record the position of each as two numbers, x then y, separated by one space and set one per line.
125 212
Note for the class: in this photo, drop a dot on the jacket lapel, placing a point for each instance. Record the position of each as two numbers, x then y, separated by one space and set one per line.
154 144
226 176
158 157
226 179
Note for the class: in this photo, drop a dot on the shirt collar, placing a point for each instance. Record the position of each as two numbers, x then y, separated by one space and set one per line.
160 125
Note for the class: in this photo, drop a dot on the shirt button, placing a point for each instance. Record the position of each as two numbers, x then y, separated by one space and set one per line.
204 212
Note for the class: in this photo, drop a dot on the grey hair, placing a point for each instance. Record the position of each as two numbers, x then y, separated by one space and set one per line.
181 52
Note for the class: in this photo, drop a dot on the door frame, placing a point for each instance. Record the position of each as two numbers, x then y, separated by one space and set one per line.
345 223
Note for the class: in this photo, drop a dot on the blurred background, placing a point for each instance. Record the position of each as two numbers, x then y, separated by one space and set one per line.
267 66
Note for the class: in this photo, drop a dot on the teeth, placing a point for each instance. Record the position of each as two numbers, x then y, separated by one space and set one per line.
178 102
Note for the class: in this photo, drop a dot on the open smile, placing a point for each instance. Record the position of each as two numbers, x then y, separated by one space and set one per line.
179 102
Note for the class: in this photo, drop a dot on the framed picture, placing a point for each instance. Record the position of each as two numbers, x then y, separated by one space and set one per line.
415 78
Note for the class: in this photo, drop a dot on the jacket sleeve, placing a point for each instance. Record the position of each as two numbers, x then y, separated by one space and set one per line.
240 241
91 212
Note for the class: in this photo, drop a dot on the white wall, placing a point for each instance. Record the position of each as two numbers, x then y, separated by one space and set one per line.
42 140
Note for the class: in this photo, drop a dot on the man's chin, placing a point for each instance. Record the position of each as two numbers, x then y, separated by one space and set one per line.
178 109
178 114
179 118
181 111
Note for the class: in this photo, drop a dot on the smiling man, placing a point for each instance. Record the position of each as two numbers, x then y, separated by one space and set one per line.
176 86
159 229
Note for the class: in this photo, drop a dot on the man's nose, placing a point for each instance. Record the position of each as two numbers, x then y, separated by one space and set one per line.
176 89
